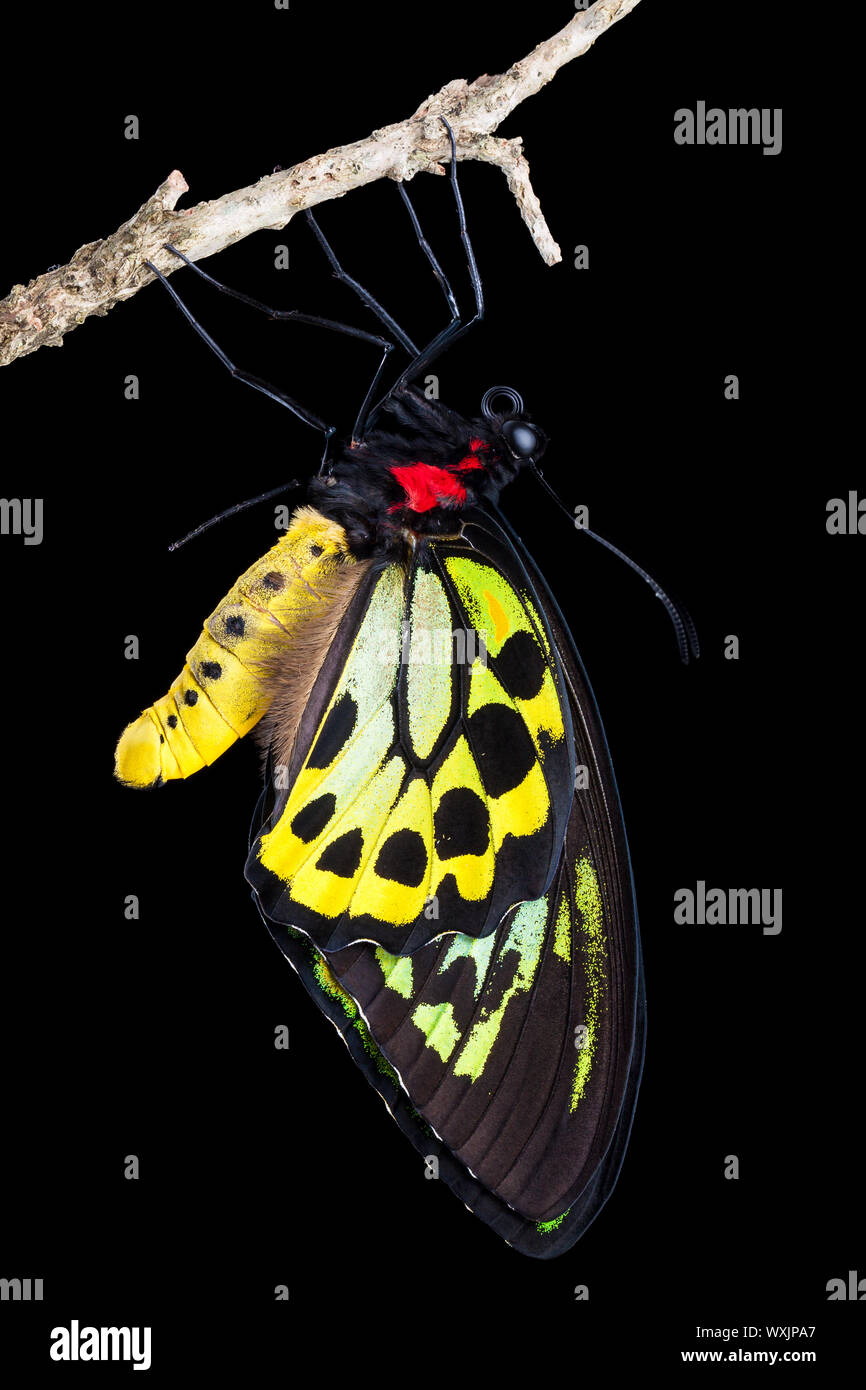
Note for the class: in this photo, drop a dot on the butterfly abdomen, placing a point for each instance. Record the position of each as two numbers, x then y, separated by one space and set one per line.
224 689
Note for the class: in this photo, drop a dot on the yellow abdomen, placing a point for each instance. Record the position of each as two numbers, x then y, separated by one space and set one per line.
220 694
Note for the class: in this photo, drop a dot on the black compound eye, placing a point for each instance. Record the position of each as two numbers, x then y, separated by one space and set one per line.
522 439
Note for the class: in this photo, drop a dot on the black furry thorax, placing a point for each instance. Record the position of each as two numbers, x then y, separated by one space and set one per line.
411 478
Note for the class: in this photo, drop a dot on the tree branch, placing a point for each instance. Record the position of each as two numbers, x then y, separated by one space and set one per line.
105 272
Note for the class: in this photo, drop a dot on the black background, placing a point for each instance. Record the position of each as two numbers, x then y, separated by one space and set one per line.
155 1037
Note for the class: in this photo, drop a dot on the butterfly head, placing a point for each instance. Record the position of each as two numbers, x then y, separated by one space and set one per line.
515 434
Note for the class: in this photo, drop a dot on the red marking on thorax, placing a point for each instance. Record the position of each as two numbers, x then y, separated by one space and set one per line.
427 486
470 461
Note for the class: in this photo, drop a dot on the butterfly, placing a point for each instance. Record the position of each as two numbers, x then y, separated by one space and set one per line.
438 848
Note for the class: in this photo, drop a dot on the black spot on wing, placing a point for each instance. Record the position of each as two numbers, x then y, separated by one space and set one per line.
211 670
546 743
460 825
190 697
343 855
311 820
520 666
336 732
403 858
235 625
172 721
502 746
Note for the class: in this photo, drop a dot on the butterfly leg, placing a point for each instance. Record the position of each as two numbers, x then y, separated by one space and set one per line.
428 252
364 295
281 315
457 327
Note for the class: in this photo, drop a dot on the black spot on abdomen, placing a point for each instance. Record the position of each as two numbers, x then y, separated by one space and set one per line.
343 855
460 824
336 732
520 666
311 820
502 746
403 858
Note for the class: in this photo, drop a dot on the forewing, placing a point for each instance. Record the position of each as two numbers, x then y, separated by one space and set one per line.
431 779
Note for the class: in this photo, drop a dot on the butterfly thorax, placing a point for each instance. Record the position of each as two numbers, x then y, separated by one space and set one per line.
411 480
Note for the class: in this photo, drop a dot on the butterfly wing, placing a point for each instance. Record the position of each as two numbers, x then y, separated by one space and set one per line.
430 778
514 1057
